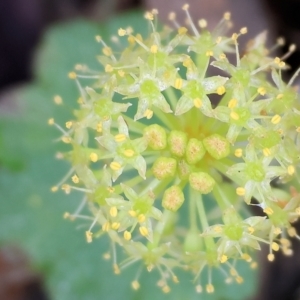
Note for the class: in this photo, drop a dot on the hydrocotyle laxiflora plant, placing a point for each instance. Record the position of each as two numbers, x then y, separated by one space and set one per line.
172 142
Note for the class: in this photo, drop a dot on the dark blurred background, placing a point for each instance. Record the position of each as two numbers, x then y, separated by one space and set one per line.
22 23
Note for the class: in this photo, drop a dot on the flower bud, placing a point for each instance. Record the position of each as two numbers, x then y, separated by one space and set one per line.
156 137
201 182
173 198
194 151
217 146
177 141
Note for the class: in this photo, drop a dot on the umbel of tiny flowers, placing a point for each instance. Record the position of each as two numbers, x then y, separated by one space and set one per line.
156 133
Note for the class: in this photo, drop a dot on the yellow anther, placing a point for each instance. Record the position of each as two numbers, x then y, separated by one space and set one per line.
108 68
107 51
148 114
99 127
154 49
222 56
280 41
277 231
223 258
79 67
202 23
121 137
182 30
122 32
198 288
239 279
235 116
266 152
253 265
121 73
244 30
143 231
291 170
275 119
268 211
72 75
172 16
209 53
115 166
210 288
251 229
94 157
279 96
227 16
234 36
240 191
54 189
166 289
187 63
175 279
178 83
69 124
66 139
57 100
135 285
217 229
197 102
75 179
66 215
219 39
238 152
149 16
261 90
129 153
110 189
292 232
66 188
277 60
233 272
131 39
281 64
275 246
89 236
113 211
116 269
115 225
232 103
51 121
139 37
106 226
127 235
185 6
141 218
80 100
221 90
297 211
98 38
271 257
298 129
106 256
246 257
285 242
132 213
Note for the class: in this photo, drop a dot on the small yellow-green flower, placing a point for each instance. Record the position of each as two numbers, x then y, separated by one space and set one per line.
157 144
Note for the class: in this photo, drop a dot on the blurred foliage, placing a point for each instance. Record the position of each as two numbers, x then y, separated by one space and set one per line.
31 216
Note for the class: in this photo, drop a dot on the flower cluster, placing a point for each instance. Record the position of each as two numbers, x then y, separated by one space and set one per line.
159 131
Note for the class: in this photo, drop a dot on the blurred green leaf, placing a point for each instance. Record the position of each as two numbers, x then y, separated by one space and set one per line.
31 215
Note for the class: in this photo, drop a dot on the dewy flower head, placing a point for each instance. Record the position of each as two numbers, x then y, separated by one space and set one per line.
157 133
